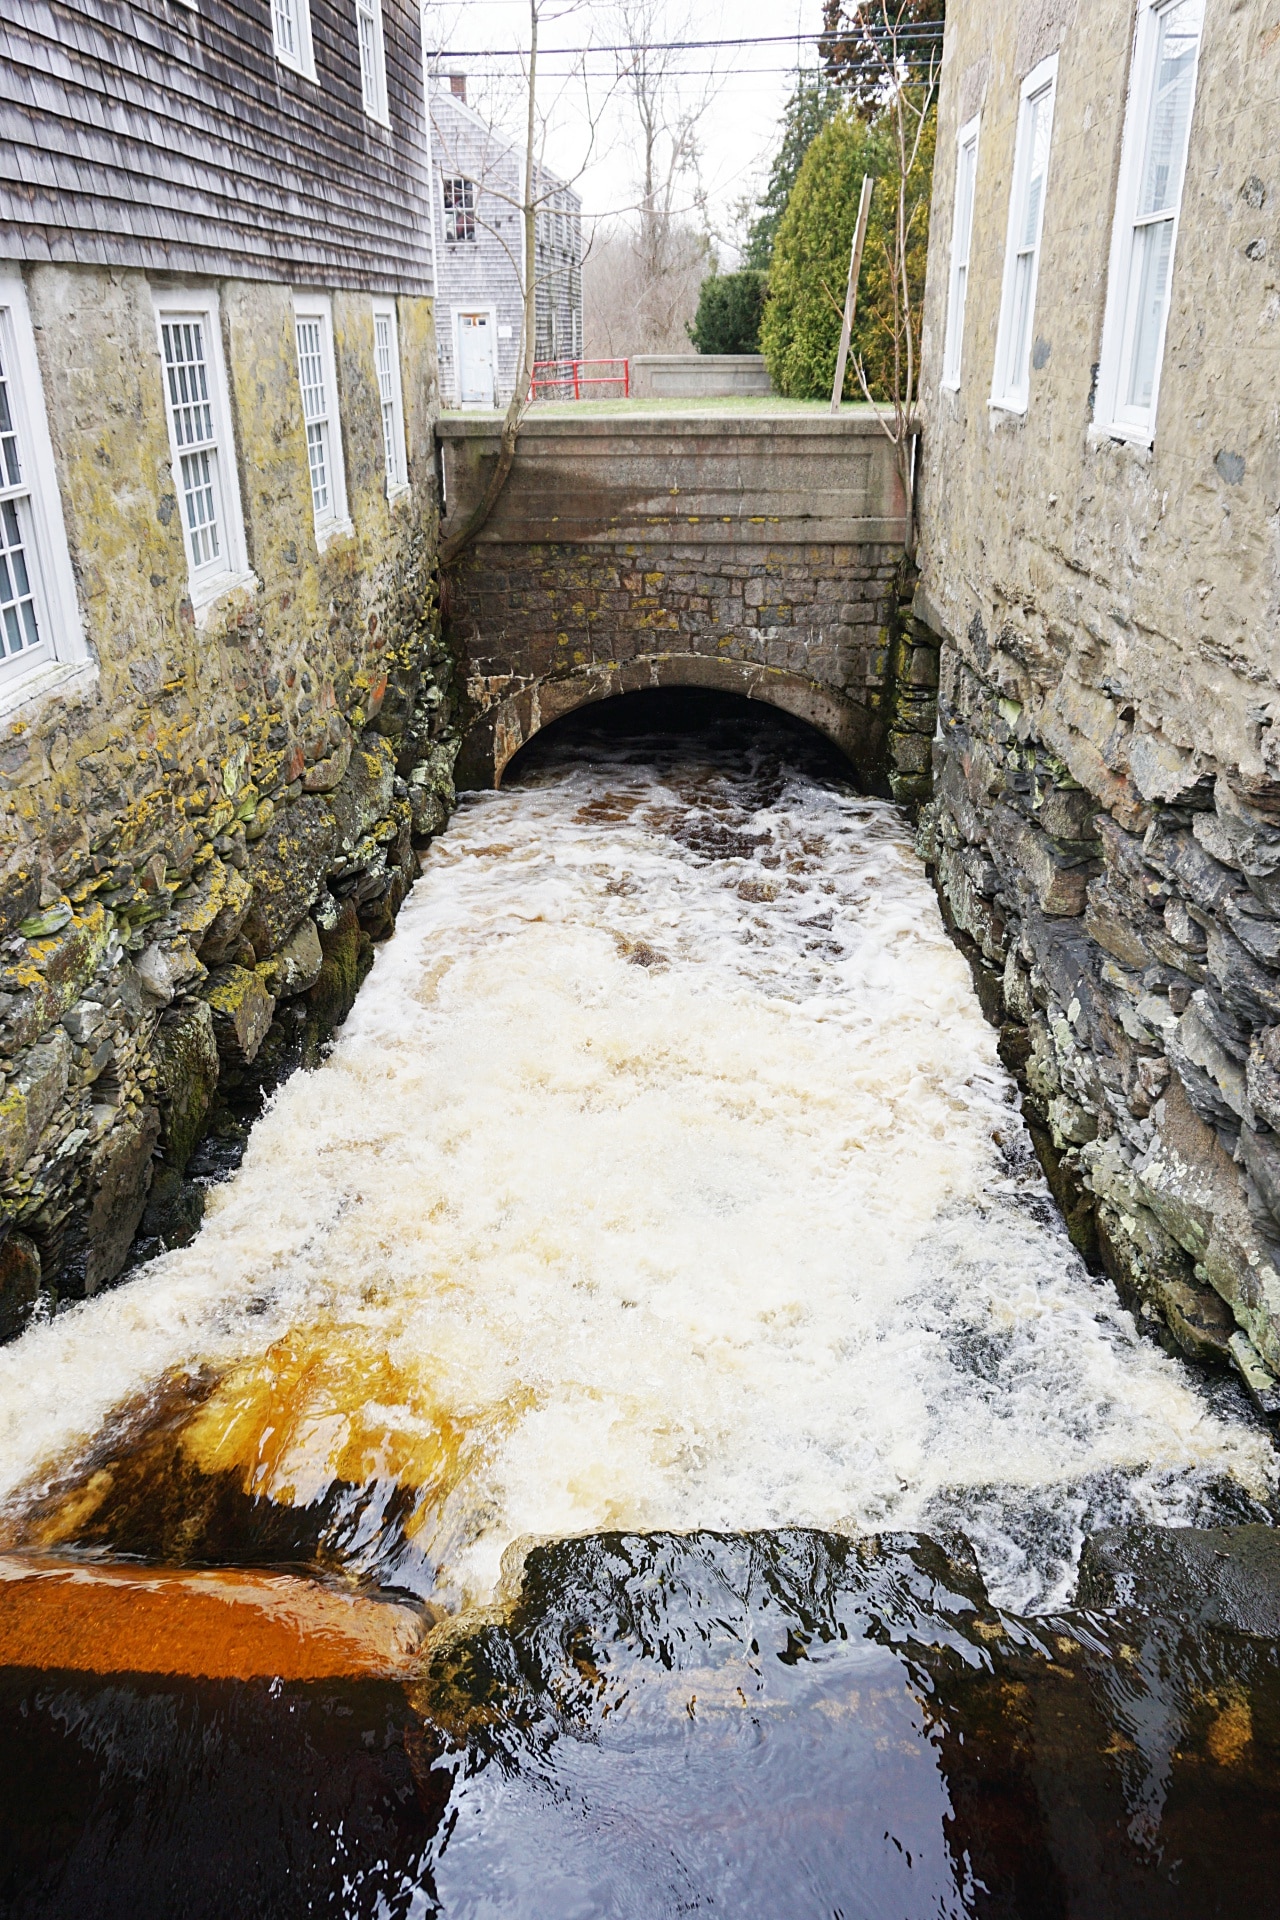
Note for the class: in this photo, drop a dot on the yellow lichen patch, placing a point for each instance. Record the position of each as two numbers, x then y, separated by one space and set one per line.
323 1406
87 1617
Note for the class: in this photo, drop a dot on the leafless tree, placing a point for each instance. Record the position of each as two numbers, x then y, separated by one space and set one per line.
626 310
645 275
534 192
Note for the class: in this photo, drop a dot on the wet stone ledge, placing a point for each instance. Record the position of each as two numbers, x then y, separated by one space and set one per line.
1120 907
145 1011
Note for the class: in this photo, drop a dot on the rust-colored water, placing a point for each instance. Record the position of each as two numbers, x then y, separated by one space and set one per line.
220 1624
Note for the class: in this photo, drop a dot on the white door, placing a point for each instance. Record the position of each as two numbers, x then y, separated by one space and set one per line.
475 360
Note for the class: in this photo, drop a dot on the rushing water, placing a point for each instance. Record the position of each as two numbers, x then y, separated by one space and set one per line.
664 1182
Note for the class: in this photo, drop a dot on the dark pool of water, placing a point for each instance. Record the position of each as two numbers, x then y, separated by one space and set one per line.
772 1725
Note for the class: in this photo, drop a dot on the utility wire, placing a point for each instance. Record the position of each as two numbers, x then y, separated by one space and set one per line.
920 31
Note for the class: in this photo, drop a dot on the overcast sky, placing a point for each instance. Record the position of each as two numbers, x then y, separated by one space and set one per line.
748 85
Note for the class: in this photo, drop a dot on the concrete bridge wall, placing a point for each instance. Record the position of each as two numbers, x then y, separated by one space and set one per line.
755 553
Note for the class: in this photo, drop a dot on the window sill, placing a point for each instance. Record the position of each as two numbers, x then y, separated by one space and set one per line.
378 120
400 491
332 530
1011 409
205 595
1141 439
296 66
38 683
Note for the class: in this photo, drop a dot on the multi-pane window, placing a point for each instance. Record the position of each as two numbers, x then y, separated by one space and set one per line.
961 237
386 352
21 620
201 446
373 69
291 26
184 343
314 332
315 413
459 209
39 619
1022 251
1154 157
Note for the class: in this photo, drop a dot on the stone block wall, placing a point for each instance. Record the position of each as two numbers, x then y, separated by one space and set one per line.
1128 945
201 833
578 619
754 553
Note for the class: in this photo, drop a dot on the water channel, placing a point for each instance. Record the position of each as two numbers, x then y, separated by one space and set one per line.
623 1440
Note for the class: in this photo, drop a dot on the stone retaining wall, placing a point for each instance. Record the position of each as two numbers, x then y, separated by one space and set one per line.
1129 948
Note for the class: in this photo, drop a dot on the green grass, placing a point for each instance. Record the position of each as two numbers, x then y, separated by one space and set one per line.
766 403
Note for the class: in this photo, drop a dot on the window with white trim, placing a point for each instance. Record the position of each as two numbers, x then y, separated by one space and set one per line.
201 445
313 330
386 353
1149 196
459 208
1022 249
291 27
39 617
373 62
21 618
961 237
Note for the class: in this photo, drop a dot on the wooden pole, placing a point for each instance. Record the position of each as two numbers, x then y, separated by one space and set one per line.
851 291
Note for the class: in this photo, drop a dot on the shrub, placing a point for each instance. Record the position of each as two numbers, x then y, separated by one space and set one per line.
730 307
800 333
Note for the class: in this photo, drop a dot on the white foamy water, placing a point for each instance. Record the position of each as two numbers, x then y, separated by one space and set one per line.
665 1176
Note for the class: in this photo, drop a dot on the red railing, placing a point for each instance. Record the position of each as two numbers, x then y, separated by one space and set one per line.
565 379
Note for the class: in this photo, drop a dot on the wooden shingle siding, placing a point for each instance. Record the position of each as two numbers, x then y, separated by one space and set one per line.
150 135
485 273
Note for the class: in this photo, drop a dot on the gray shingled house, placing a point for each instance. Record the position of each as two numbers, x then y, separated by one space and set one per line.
478 181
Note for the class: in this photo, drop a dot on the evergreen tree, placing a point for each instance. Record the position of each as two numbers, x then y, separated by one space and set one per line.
812 104
800 332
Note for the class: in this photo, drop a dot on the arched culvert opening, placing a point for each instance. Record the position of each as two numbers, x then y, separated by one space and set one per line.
508 722
668 721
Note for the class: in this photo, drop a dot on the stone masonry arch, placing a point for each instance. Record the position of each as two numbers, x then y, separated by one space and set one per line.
502 729
757 554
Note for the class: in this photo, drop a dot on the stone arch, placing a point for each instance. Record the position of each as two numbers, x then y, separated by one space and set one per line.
512 719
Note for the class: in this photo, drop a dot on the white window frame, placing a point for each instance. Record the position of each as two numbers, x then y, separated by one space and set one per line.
1011 386
391 393
373 70
207 582
62 653
335 518
449 182
301 57
1114 417
961 248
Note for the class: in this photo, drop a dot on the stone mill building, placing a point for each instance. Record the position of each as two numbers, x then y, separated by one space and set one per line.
1098 537
225 709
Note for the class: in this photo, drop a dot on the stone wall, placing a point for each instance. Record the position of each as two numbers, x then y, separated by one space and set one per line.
199 841
759 555
1106 831
691 376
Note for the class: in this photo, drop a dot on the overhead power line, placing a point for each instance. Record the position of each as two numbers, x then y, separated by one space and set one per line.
918 32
